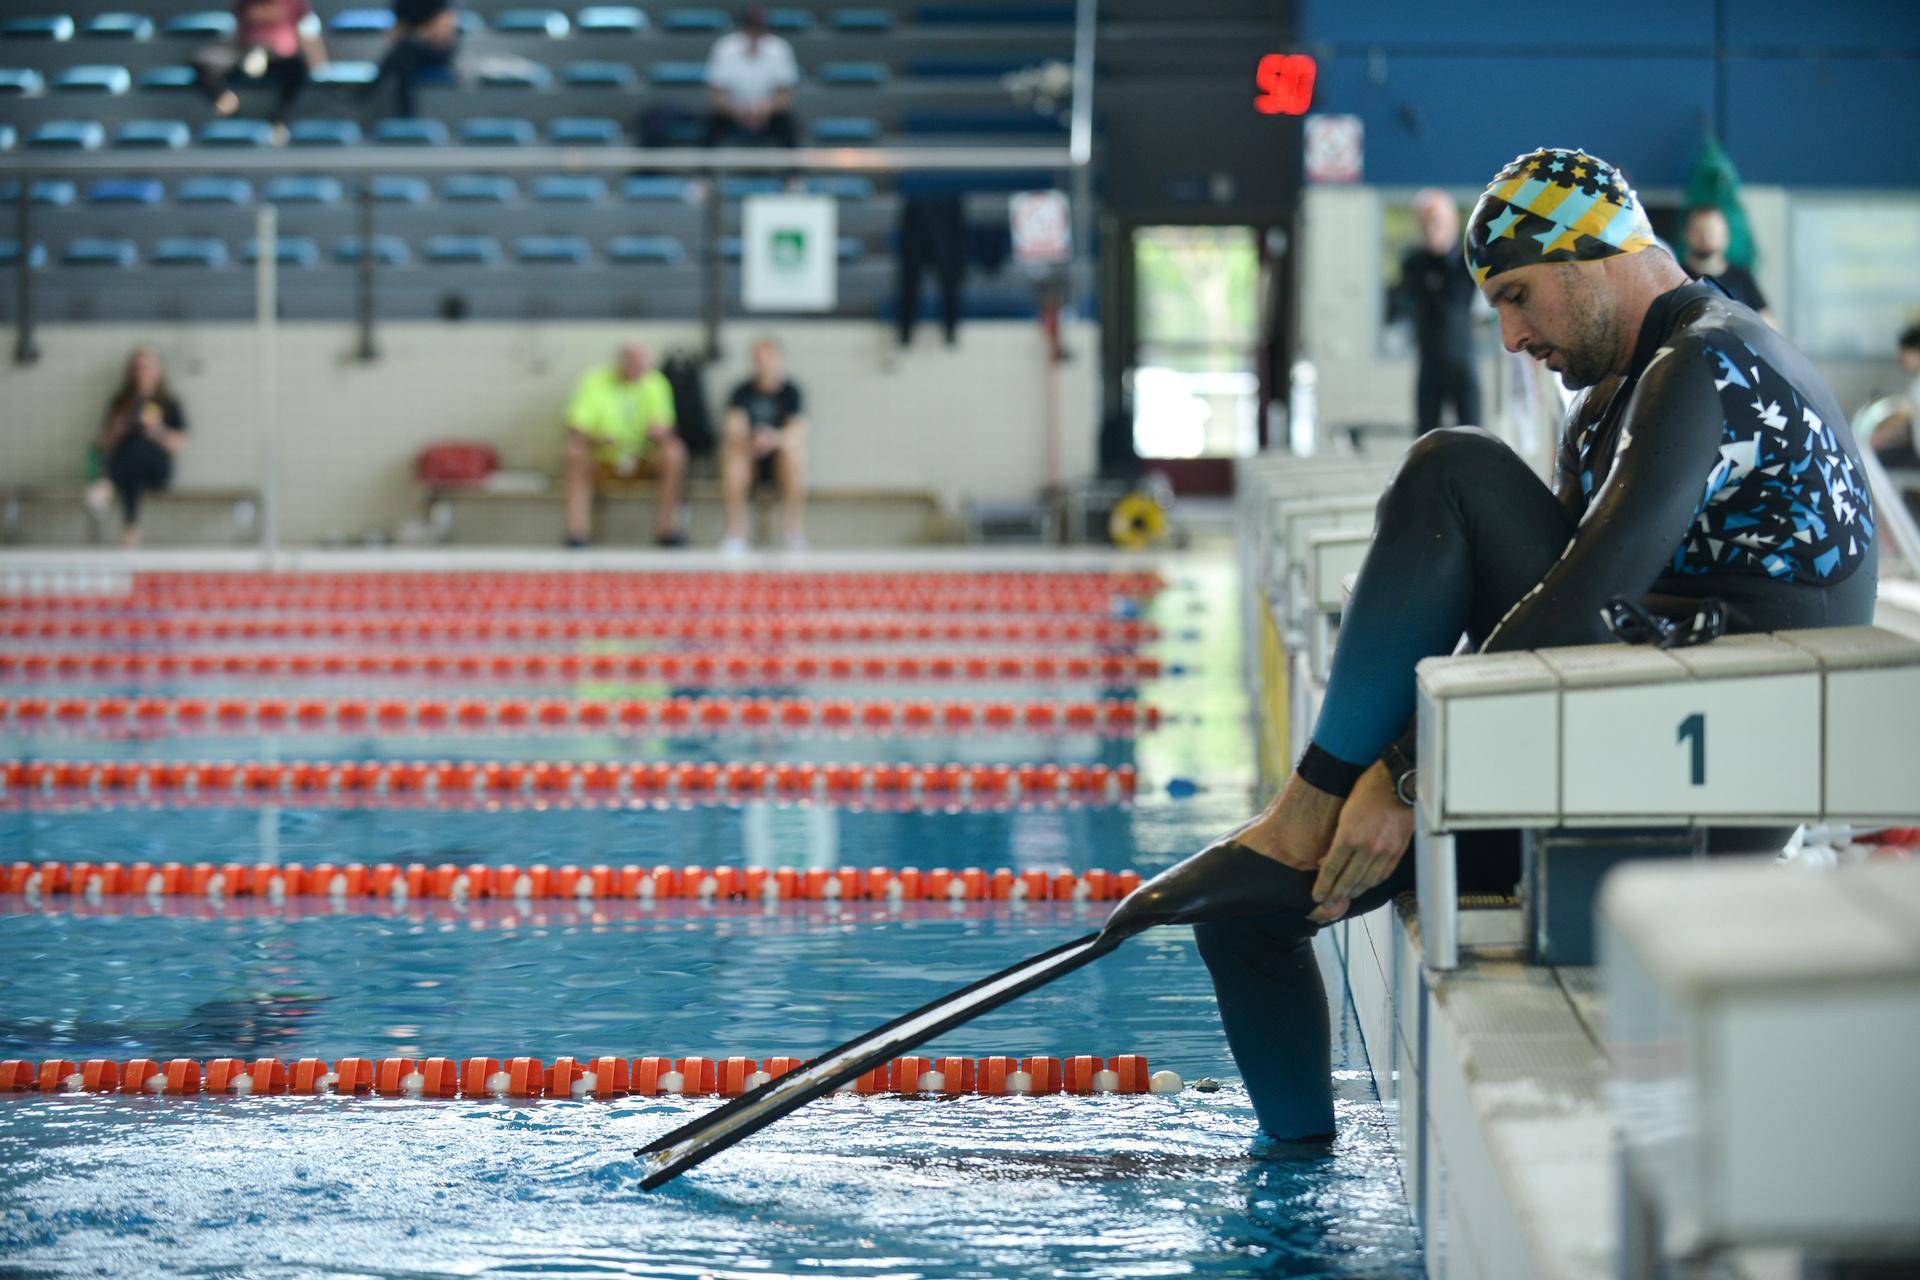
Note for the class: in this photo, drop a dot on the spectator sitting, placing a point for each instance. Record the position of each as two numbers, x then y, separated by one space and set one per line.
139 438
764 440
1897 439
620 426
750 78
425 39
1707 239
267 44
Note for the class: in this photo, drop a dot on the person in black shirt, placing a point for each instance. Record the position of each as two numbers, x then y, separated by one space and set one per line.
1707 239
426 38
764 441
1437 292
141 434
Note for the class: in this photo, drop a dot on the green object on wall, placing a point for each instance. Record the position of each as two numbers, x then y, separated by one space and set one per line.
1713 180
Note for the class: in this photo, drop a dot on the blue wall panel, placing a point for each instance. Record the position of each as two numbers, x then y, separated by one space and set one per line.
1500 25
1885 26
1830 122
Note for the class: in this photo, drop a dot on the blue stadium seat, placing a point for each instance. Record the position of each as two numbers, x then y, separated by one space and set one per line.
585 131
153 135
648 250
94 79
849 249
187 251
10 254
844 129
600 75
52 26
869 20
410 133
980 15
118 26
966 68
395 188
302 189
855 74
288 251
841 186
462 250
610 20
695 21
532 22
7 137
213 24
740 186
126 191
567 188
347 71
237 134
388 251
667 75
949 122
360 22
169 79
649 187
498 132
556 251
513 75
68 135
789 21
323 133
209 190
48 191
479 188
20 82
100 251
732 248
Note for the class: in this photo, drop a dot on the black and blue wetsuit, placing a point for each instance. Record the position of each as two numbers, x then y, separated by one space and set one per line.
1719 465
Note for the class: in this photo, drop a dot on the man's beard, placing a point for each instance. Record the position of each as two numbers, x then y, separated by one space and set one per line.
1588 353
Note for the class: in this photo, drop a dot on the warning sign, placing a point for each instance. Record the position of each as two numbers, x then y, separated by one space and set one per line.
1042 228
1334 148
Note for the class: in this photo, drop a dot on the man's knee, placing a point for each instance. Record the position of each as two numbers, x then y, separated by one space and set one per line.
1447 451
579 456
673 453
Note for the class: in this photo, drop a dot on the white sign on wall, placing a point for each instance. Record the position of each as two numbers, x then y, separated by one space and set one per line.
788 260
1042 228
1335 147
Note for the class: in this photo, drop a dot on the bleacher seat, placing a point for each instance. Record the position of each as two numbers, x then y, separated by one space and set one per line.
54 192
732 248
187 251
302 189
552 250
600 75
388 251
532 22
153 135
846 129
143 191
10 254
396 188
695 21
652 187
168 79
849 249
347 71
100 251
68 135
672 74
567 188
360 22
740 186
790 21
861 20
855 75
210 25
951 122
479 188
288 251
20 82
7 137
51 26
965 68
997 15
647 250
513 75
213 190
841 186
493 131
118 26
237 134
94 78
462 250
410 133
611 20
585 131
323 133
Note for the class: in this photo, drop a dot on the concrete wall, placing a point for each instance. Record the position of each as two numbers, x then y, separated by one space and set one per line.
966 422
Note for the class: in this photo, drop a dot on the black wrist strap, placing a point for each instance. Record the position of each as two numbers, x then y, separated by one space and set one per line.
1328 773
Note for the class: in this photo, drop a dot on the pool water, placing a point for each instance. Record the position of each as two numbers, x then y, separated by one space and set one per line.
848 1186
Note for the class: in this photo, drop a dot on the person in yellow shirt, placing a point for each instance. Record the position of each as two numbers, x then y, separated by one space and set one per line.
620 425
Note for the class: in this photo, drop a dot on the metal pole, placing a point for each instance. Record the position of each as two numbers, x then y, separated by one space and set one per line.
25 351
710 300
368 350
1080 153
266 303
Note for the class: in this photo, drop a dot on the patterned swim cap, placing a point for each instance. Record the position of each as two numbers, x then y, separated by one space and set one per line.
1554 205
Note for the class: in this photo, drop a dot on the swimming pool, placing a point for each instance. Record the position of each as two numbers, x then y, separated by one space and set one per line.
869 1186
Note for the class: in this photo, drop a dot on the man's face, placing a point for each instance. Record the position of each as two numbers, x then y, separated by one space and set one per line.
1910 359
1439 226
1707 233
766 362
1562 314
633 361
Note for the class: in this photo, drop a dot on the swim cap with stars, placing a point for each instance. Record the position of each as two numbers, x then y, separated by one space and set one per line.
1554 205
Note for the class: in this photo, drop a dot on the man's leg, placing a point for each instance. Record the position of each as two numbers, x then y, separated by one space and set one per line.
671 465
736 475
1426 395
912 255
792 467
579 485
782 130
290 77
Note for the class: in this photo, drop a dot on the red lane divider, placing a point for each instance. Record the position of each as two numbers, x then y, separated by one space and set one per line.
559 778
575 1077
441 628
570 714
601 882
691 668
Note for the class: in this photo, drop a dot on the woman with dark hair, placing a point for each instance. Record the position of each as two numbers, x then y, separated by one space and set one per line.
142 433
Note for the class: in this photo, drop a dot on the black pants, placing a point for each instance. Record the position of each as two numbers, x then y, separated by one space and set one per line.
723 130
1443 380
407 63
219 65
136 466
933 232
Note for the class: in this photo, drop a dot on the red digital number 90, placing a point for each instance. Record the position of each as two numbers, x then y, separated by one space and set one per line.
1286 84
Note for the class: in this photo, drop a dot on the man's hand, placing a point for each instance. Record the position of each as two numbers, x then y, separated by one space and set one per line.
1368 844
765 441
660 433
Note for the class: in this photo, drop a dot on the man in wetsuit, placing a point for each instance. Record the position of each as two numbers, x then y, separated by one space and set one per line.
1706 458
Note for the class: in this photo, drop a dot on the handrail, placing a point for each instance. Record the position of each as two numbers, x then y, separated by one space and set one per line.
1889 505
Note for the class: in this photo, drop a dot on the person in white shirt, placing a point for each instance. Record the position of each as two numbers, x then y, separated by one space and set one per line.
750 78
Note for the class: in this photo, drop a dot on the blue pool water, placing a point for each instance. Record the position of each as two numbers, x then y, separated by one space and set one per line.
869 1187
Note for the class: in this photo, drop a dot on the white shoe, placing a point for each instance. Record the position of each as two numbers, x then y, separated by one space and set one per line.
99 498
733 545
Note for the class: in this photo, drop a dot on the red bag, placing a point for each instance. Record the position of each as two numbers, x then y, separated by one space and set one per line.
454 464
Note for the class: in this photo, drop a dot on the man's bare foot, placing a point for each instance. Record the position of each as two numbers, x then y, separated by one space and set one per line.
1297 827
227 103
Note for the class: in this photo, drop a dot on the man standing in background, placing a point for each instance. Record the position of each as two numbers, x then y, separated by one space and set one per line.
620 426
1437 292
1707 239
